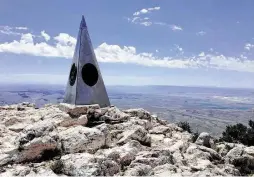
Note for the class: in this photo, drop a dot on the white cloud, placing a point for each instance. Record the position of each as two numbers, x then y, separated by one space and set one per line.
145 11
202 54
176 28
21 28
45 35
243 56
64 47
156 51
201 33
161 23
249 46
136 19
178 48
8 30
146 23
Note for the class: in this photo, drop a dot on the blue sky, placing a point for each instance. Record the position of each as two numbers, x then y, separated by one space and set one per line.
177 42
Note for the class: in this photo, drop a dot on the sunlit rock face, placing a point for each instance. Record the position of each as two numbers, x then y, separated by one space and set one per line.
68 140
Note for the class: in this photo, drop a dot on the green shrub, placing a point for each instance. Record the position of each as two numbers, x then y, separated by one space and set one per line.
185 126
239 133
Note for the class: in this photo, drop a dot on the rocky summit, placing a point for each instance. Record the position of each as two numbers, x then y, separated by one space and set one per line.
68 140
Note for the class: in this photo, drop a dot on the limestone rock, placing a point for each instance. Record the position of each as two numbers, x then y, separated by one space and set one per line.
139 134
205 139
85 164
81 139
140 113
137 169
76 110
85 140
117 116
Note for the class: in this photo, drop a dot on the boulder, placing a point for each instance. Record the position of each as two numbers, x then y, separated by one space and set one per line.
243 161
138 169
116 116
165 170
76 110
140 113
205 139
85 164
139 134
81 139
123 155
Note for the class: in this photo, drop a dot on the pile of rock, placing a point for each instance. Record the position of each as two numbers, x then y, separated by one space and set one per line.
64 140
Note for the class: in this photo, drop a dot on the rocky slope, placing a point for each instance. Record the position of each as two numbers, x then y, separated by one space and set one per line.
67 140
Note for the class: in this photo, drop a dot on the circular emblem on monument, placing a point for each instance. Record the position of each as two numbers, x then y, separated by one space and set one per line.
73 74
90 74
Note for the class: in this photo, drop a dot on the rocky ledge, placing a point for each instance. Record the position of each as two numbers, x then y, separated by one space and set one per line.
67 140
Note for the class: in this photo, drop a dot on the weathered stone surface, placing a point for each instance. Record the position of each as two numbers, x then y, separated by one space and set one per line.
140 113
205 139
241 159
139 134
77 110
165 170
63 140
138 169
85 164
68 122
124 154
116 116
81 139
38 149
160 130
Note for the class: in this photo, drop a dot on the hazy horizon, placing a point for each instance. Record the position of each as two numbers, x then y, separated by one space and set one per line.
119 85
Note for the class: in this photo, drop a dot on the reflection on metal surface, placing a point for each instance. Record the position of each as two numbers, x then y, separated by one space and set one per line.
86 86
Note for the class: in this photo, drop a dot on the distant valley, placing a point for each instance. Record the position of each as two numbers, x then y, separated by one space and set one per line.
206 109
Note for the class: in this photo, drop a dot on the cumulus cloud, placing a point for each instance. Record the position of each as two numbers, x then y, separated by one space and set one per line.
248 46
176 28
201 33
145 11
45 35
64 47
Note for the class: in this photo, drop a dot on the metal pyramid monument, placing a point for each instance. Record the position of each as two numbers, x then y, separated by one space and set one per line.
85 84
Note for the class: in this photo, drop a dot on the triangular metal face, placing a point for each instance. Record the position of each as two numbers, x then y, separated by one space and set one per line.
85 84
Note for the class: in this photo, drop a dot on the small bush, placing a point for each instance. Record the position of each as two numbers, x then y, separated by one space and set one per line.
239 133
185 126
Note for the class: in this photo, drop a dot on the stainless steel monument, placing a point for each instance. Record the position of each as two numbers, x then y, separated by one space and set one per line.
85 84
